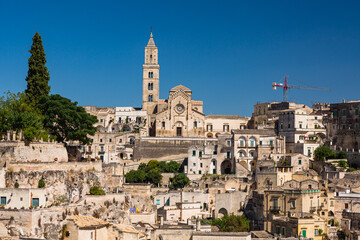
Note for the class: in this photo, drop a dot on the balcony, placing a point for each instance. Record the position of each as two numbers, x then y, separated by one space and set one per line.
312 209
102 152
274 209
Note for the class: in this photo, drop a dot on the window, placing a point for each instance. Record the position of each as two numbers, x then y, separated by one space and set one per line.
195 124
21 199
292 204
226 128
150 56
102 158
271 142
252 143
288 125
92 235
300 125
101 149
150 98
277 229
194 153
101 120
199 171
100 139
200 164
150 86
335 113
344 112
346 205
157 202
200 153
209 128
281 126
35 202
283 231
299 161
316 232
110 140
163 124
260 143
3 200
194 164
119 119
151 74
356 111
228 143
83 148
228 154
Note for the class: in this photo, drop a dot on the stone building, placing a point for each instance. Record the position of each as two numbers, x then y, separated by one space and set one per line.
179 115
219 124
303 131
117 130
251 145
344 125
212 159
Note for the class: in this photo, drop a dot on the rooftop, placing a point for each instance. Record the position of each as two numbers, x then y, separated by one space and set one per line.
87 221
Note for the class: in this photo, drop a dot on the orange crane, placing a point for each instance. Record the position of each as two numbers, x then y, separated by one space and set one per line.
286 87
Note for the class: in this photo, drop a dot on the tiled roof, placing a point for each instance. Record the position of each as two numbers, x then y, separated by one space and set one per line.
126 228
87 221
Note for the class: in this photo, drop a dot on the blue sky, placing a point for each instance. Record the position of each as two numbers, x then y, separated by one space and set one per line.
227 52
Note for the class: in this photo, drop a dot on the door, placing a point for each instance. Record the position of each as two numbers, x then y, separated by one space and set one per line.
179 131
304 233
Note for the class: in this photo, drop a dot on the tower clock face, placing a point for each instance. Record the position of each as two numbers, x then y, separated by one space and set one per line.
179 108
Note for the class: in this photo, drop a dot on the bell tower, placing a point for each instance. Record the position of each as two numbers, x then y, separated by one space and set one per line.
151 77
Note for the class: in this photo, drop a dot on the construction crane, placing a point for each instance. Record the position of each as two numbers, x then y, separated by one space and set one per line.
286 87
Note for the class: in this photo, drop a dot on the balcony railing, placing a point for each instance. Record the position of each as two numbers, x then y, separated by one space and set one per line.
275 209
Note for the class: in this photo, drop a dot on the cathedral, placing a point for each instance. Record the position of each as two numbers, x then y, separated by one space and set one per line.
177 116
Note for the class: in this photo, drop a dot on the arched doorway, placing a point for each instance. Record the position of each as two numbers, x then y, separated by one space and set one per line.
222 212
209 135
226 167
179 129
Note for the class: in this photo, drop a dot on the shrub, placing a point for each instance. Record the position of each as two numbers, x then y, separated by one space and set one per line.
41 183
95 190
16 185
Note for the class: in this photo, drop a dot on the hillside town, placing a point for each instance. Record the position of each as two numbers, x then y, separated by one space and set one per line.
167 171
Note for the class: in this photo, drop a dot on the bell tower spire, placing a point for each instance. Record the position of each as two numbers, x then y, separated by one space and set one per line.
151 77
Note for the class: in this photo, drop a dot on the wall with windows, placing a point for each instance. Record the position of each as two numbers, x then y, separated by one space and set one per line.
22 197
218 124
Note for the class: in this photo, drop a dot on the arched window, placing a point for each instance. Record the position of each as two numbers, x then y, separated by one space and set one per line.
252 142
151 74
150 86
150 98
242 142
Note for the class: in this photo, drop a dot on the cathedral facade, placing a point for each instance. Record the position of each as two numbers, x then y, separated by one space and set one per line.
177 116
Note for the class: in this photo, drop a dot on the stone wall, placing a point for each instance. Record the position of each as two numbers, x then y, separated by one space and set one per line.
166 148
39 152
54 166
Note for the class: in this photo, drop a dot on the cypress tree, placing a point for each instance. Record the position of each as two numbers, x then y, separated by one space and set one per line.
38 75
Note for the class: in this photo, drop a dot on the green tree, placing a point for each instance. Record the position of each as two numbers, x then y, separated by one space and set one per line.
179 181
231 223
154 176
172 167
65 120
38 75
142 166
135 176
151 165
322 153
16 114
341 155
